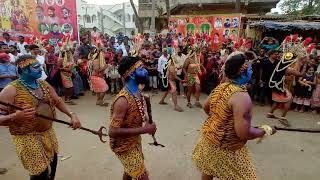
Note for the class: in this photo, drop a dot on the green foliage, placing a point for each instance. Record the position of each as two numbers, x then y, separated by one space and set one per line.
82 30
300 7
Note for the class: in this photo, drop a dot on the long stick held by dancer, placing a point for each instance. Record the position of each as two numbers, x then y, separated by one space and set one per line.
33 96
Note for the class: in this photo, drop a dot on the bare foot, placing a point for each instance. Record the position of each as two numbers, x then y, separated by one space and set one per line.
271 115
198 104
163 103
70 102
178 108
104 104
284 121
3 170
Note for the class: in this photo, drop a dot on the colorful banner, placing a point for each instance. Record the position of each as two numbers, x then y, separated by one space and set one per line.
49 19
218 27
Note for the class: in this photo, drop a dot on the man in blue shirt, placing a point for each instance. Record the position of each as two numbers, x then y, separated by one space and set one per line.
8 71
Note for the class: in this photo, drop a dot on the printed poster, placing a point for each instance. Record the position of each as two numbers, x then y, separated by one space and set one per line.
49 19
218 27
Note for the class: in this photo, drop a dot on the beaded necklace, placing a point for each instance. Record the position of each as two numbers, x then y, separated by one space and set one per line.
139 102
30 90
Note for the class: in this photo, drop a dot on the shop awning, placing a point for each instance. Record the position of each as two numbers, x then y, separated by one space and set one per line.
286 26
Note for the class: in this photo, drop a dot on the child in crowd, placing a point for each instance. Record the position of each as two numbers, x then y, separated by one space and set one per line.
304 90
315 102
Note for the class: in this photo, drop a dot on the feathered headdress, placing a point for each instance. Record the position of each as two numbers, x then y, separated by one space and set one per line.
65 53
41 43
294 44
98 53
293 49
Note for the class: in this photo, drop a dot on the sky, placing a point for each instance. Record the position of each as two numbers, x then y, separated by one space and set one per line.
111 2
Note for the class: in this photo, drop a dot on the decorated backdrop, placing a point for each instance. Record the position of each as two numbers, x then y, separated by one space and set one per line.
218 27
50 19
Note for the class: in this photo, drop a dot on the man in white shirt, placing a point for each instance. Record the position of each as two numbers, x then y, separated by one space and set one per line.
7 41
162 62
13 54
21 46
35 51
123 46
179 59
162 70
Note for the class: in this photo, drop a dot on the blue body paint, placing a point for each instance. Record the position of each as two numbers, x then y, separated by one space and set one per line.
139 76
245 77
31 74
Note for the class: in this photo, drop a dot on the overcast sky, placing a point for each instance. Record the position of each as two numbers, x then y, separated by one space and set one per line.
110 2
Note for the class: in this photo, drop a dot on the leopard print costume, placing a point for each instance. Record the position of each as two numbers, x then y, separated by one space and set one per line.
128 150
220 152
35 149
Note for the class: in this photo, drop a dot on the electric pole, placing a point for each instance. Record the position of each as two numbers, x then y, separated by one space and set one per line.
153 19
238 6
124 19
101 21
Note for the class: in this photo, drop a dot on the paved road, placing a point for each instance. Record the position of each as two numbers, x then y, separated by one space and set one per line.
284 156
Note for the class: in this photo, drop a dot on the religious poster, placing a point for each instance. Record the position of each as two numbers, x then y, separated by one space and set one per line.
218 27
48 19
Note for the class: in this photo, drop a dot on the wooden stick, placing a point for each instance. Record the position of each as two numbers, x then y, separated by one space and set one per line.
149 110
98 133
297 129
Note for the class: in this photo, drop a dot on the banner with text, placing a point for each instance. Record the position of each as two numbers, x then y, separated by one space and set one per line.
49 19
219 27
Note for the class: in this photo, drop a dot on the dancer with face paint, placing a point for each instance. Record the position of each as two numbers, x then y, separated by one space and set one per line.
34 137
127 118
192 68
97 67
169 82
292 63
221 152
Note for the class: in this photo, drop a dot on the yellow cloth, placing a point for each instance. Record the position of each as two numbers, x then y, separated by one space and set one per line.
219 127
36 150
23 97
133 119
133 162
220 152
222 163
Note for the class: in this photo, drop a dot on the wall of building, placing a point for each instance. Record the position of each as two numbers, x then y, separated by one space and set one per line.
201 7
107 18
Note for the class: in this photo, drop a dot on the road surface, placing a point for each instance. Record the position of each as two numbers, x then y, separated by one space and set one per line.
284 156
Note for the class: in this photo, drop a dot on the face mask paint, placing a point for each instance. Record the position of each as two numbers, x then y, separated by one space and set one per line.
34 71
141 76
137 80
245 77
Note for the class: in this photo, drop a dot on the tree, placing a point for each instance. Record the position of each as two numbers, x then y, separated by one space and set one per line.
82 30
138 19
300 7
168 9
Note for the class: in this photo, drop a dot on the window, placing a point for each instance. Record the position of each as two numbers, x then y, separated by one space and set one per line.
133 18
94 18
87 18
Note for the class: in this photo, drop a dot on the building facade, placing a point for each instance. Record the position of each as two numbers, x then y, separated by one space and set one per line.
110 19
200 7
